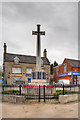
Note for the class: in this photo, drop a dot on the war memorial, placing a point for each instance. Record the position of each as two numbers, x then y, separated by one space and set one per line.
39 75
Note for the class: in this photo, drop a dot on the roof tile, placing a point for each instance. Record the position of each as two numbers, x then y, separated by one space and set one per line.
9 57
73 63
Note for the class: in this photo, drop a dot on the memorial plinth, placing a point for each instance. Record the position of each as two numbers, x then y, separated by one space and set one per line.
39 78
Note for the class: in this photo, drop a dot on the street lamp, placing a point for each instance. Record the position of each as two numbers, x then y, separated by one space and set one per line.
72 77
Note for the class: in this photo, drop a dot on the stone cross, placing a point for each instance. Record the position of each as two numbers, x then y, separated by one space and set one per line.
38 55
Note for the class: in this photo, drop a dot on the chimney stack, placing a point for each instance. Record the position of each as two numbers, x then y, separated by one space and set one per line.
5 48
45 53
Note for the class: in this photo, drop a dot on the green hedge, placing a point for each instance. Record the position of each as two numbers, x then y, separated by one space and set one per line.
13 92
56 95
60 92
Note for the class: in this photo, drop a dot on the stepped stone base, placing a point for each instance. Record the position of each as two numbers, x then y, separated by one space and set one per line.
38 82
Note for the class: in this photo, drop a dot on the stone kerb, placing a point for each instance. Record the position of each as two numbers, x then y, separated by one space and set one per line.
68 98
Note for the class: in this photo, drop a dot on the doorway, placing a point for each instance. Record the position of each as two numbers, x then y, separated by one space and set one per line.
29 80
75 79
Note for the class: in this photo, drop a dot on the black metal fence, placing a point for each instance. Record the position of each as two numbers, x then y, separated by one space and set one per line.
40 93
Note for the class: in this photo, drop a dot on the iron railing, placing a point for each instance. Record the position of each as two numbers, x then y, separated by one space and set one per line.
40 92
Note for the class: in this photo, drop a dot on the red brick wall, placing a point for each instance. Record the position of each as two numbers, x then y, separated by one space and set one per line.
55 75
76 69
61 70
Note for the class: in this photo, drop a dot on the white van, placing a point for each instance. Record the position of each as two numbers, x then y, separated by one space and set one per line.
63 81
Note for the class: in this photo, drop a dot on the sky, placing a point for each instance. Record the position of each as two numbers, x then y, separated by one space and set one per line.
59 20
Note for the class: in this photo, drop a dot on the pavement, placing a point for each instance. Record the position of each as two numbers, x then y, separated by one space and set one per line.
39 110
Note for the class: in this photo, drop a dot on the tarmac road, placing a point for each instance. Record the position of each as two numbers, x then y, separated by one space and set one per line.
41 110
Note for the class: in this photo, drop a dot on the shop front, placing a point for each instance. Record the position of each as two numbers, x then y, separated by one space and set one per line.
74 77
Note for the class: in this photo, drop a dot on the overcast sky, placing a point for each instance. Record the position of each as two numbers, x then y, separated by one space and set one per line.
58 20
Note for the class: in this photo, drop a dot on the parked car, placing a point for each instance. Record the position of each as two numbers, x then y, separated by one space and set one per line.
63 81
78 82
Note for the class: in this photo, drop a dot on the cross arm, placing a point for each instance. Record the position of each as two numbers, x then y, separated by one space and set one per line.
42 33
34 33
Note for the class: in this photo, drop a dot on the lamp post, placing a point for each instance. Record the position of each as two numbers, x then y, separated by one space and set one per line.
72 77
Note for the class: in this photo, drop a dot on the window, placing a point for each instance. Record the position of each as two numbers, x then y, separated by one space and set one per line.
16 70
16 60
29 80
29 70
33 75
16 79
78 79
57 70
44 75
64 67
38 75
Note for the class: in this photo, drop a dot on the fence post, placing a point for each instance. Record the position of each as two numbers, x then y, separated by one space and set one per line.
39 93
19 89
2 88
70 87
79 93
79 89
63 89
44 93
51 90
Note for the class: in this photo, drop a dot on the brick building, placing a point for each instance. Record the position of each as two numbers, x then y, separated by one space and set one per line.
19 67
69 69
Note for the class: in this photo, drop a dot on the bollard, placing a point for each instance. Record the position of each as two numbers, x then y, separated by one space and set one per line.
63 89
44 93
19 89
39 93
2 88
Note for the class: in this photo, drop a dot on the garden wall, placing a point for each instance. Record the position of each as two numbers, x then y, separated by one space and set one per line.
13 98
68 98
21 99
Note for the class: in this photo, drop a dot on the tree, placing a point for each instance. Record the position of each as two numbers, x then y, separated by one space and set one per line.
55 64
51 69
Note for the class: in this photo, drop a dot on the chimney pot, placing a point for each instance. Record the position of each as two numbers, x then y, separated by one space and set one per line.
5 47
44 53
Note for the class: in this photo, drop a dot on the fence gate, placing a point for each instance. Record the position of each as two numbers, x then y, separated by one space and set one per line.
38 93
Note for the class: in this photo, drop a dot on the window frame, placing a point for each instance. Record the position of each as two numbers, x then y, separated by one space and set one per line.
29 73
57 70
66 68
16 72
16 61
16 80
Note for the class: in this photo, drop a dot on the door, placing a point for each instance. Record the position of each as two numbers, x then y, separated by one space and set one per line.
75 79
29 80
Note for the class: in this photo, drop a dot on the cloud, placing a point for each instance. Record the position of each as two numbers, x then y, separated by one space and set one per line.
59 20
